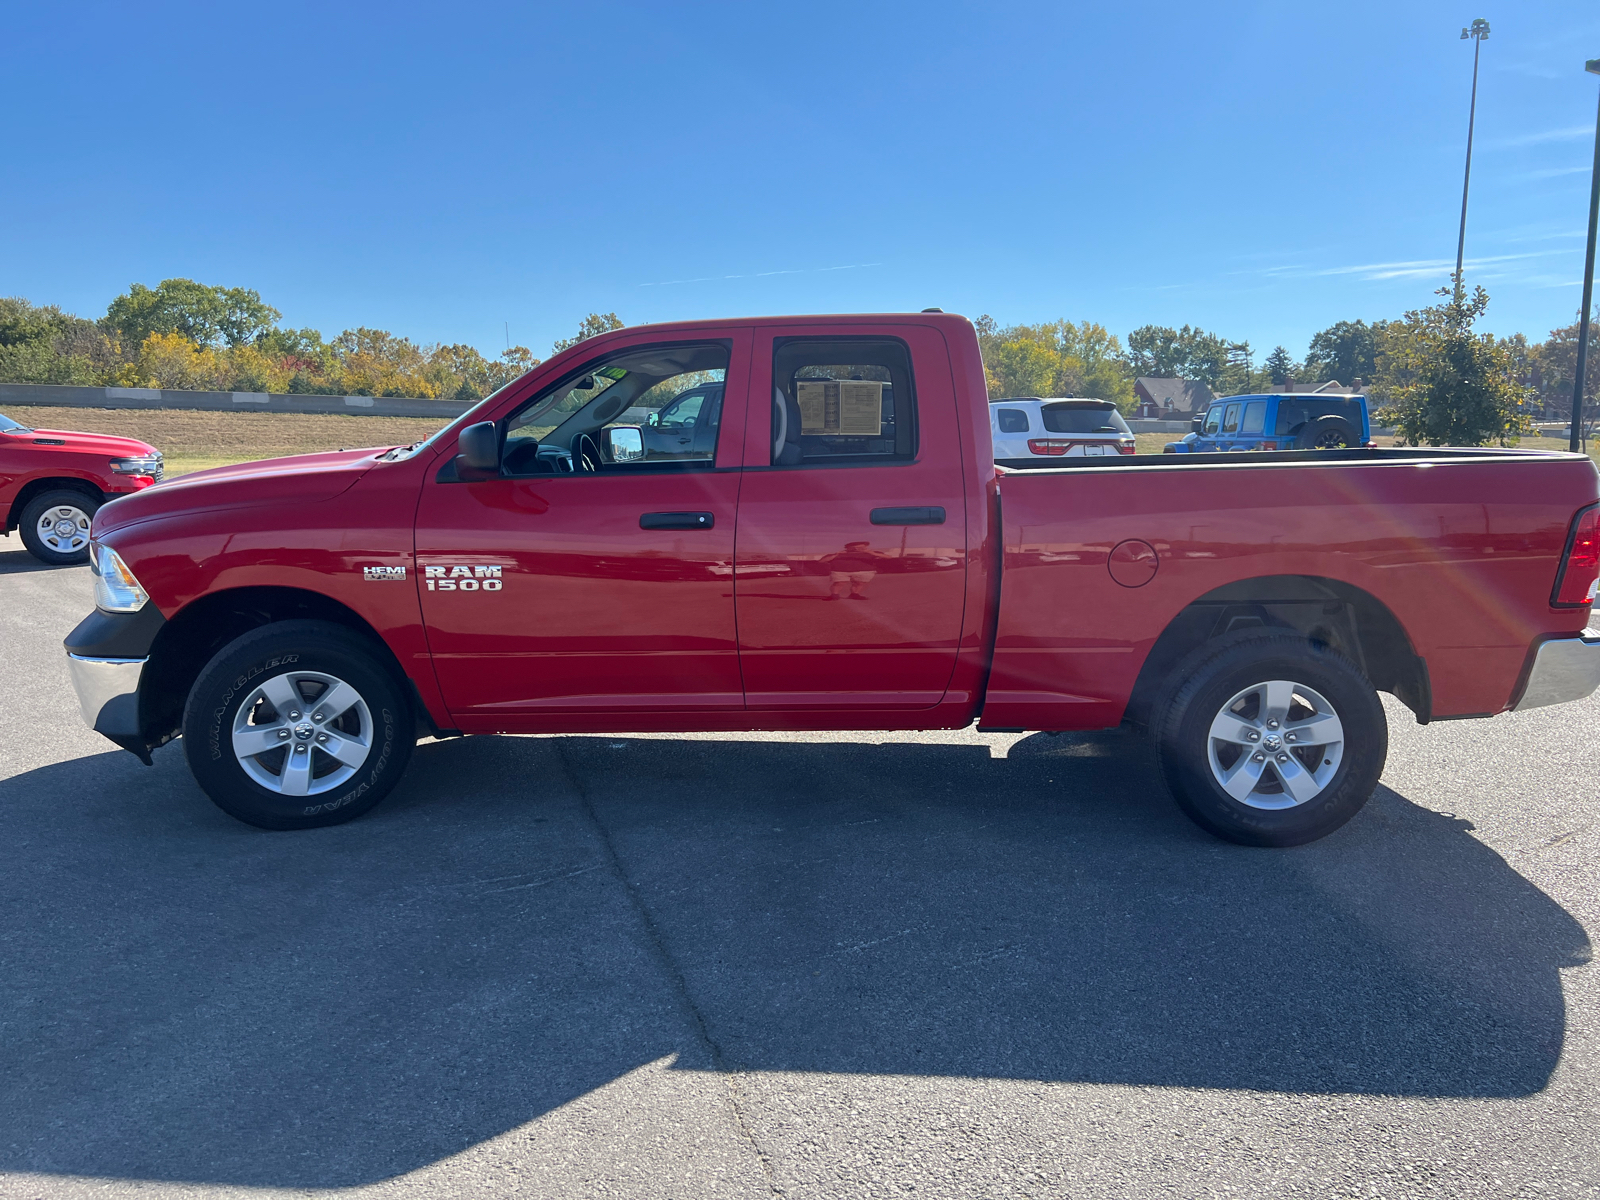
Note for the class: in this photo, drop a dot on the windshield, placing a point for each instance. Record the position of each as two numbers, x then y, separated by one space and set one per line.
7 425
400 453
1083 418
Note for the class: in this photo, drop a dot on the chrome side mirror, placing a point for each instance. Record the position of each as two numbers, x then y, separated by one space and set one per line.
478 452
624 443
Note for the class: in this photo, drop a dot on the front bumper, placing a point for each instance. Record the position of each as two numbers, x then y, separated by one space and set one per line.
1564 668
108 693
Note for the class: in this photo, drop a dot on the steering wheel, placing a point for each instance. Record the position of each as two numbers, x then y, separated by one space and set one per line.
524 458
586 455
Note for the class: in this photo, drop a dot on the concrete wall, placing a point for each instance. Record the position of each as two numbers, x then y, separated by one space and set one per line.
22 395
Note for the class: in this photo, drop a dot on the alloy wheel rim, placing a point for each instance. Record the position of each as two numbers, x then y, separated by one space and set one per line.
302 733
64 528
1275 744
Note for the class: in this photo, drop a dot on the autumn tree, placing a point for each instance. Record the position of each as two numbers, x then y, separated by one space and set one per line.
1442 384
1060 358
593 324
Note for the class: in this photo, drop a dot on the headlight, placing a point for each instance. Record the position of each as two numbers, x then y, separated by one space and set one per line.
115 588
148 465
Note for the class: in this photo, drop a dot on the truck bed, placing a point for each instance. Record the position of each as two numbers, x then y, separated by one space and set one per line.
1455 540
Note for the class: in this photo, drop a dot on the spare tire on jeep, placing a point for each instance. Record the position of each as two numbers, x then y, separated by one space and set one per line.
1328 432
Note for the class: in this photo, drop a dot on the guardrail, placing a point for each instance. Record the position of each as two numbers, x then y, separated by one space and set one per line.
22 395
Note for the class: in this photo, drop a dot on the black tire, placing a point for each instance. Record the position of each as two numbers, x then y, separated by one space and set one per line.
1203 685
61 499
1326 433
278 651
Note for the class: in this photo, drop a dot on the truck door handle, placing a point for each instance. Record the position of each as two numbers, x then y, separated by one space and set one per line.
678 520
929 515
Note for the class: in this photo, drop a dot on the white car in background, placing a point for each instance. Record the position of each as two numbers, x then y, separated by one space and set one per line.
1029 431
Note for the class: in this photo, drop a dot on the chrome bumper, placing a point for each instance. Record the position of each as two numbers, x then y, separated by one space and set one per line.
1566 668
108 692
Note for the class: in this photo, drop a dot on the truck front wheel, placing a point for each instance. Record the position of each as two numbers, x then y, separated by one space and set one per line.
295 725
1270 740
55 526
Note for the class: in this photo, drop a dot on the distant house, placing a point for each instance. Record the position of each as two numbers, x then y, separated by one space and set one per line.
1170 399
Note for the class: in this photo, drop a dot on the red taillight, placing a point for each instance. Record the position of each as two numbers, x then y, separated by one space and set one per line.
1048 446
1124 447
1580 565
1267 446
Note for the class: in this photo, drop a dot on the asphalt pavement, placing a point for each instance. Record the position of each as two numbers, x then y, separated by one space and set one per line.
948 965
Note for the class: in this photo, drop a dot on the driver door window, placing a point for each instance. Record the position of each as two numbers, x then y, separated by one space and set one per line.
1213 421
642 410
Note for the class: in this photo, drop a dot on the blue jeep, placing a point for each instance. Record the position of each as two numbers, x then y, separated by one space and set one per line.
1292 421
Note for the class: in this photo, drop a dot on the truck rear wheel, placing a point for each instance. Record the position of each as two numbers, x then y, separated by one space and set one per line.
295 725
1270 740
55 526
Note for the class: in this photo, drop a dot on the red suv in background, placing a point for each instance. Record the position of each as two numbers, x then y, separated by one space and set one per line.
52 481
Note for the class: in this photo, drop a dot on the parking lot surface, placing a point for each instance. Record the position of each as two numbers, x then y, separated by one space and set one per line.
948 965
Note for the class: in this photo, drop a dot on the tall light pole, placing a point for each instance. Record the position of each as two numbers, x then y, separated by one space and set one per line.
1478 31
1576 434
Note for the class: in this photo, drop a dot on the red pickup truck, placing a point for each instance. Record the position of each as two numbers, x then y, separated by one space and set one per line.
842 554
53 480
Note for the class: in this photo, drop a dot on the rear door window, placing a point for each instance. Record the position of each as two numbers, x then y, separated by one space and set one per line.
1230 419
1255 416
1012 420
839 401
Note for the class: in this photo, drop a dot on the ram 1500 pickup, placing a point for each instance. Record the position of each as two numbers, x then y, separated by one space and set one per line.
844 555
53 480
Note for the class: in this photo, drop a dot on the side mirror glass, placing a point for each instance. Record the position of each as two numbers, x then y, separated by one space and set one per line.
624 443
478 451
654 418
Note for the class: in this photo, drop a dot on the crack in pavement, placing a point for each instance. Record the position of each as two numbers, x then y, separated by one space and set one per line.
675 976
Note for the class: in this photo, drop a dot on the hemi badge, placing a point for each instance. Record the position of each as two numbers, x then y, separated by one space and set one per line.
371 573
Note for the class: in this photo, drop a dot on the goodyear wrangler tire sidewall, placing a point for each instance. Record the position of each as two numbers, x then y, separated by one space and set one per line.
230 678
1182 733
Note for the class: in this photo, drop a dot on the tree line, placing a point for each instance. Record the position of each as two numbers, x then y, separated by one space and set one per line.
1428 371
185 335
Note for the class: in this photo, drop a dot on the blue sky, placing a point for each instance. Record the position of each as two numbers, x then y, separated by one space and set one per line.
1261 170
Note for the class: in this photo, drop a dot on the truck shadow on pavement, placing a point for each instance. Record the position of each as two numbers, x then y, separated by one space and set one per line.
526 920
14 560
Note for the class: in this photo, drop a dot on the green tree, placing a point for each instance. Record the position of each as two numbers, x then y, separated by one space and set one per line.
207 316
1346 351
1280 368
43 344
1442 384
1556 360
594 323
1187 353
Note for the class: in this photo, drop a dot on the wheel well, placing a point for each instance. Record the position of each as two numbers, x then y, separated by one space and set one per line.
194 634
1328 611
34 486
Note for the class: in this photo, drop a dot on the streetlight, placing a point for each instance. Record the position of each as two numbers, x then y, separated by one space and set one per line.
1575 434
1478 31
